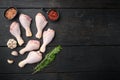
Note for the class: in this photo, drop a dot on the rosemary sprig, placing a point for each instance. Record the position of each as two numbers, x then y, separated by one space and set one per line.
48 59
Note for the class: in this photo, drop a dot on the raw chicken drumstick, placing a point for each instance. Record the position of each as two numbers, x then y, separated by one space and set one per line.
25 21
31 45
41 22
47 38
15 31
33 57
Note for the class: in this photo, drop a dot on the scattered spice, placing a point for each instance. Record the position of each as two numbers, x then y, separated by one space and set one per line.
10 13
53 15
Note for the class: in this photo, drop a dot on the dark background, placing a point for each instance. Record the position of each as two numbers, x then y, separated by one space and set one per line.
88 30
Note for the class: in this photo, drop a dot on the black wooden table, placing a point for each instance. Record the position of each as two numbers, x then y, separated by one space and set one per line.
88 30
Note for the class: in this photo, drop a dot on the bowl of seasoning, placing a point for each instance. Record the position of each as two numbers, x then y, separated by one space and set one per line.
10 13
53 15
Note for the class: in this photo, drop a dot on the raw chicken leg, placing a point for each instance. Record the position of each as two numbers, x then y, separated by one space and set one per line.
47 38
15 31
25 21
33 57
31 45
41 22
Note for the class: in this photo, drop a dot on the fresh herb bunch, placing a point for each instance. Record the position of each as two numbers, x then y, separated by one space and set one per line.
48 59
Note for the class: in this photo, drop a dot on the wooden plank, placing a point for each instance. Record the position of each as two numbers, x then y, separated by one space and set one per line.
90 76
42 76
76 27
61 3
70 59
63 76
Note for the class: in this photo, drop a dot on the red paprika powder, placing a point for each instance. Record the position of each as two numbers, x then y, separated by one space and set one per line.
53 15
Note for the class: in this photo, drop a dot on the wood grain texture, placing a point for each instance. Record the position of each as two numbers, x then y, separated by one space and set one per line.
42 76
75 27
89 76
63 76
88 31
70 59
61 3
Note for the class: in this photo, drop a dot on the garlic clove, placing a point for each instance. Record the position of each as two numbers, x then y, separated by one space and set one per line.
14 53
10 61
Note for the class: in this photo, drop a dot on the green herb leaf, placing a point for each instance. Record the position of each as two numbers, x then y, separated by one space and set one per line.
48 59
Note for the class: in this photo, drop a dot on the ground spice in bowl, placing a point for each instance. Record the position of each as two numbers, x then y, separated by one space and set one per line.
10 13
53 15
